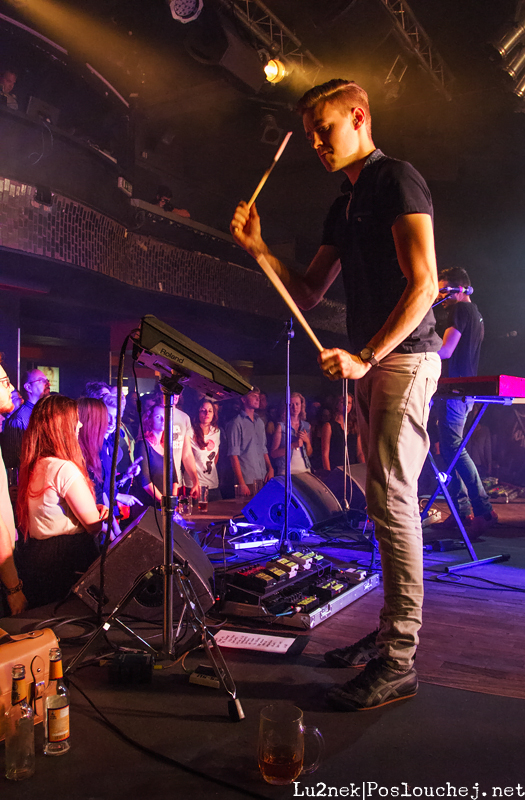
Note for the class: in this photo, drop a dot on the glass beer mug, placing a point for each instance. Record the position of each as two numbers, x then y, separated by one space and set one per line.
281 744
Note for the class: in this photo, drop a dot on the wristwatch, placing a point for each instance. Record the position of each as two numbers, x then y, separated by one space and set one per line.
368 355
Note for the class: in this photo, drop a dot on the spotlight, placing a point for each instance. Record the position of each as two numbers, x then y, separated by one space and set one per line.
185 10
516 65
275 71
393 85
510 40
519 89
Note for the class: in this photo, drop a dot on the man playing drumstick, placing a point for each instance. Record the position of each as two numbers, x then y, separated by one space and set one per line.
379 233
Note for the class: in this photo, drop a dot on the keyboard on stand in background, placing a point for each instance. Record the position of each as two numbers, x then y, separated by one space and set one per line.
504 389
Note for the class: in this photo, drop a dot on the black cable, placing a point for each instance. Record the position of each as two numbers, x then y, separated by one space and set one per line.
89 624
160 756
148 460
438 572
112 480
501 587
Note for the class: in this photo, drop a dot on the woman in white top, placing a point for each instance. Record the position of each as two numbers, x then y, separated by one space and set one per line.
205 442
57 512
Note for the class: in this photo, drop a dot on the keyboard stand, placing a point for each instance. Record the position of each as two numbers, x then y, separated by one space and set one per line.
443 479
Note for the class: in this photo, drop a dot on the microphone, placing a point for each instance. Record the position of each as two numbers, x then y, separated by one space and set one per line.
457 290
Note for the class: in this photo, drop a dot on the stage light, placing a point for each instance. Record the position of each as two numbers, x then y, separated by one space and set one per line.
519 89
510 40
516 65
185 10
275 71
393 85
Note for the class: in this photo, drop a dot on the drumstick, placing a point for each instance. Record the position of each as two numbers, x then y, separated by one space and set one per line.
288 299
268 171
263 262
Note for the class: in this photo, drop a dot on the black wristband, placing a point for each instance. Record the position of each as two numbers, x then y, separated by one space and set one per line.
15 589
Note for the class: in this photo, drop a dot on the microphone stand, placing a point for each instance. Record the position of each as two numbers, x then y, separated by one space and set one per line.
346 467
169 387
174 571
284 544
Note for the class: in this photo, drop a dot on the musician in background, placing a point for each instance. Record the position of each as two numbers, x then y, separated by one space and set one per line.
461 348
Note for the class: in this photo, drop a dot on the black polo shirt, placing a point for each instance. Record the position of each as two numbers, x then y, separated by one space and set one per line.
359 225
465 318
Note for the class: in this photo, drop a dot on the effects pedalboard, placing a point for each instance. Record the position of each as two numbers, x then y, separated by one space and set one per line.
300 590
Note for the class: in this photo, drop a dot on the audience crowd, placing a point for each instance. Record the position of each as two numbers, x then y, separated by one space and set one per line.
57 456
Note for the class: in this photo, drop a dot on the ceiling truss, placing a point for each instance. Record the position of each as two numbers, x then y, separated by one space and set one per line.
415 41
275 37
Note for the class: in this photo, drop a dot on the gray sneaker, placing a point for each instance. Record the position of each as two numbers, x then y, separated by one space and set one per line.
356 655
377 686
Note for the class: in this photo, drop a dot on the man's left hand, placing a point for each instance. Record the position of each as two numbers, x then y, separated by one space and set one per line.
17 603
337 364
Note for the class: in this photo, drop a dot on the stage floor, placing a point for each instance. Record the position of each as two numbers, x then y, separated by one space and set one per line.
464 727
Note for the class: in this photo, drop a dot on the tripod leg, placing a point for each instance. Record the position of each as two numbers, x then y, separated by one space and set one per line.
193 608
114 620
223 674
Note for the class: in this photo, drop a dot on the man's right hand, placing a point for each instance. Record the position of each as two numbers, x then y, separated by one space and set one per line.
245 490
245 228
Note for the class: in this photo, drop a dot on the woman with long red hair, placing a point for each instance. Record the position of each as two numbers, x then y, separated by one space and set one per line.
57 512
93 415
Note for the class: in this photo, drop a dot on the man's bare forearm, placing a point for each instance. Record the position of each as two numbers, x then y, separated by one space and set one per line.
305 289
296 284
414 241
405 317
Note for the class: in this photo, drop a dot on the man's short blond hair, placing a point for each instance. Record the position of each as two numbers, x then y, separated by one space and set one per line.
346 95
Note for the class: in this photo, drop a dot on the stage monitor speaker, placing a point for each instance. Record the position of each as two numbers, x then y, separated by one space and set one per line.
311 502
355 485
136 551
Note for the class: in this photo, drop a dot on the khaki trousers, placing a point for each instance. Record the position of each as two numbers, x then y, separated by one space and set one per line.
392 403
